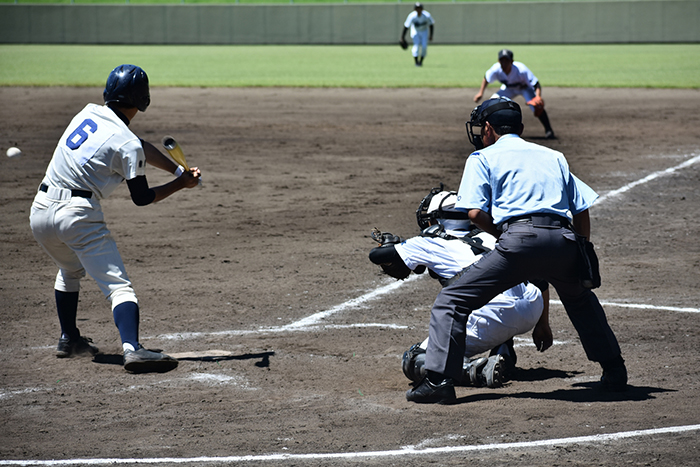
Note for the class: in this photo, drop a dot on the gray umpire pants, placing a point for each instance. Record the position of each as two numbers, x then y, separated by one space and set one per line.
524 252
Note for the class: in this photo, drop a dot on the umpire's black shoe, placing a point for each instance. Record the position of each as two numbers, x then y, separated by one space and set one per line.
429 393
148 361
614 380
75 347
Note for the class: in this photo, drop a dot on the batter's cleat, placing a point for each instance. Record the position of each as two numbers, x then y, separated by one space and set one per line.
148 361
614 380
75 347
549 135
430 393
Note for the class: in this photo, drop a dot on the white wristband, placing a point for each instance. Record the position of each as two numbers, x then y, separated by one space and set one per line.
179 171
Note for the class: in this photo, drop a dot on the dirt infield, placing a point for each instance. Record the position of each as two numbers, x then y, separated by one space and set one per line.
294 180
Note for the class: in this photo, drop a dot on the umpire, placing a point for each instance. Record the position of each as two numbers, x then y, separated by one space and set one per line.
525 195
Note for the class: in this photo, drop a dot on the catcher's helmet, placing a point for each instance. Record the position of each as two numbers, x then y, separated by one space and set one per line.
128 85
438 207
498 112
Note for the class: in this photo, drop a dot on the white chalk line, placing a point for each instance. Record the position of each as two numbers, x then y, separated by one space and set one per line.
405 451
640 306
310 322
648 178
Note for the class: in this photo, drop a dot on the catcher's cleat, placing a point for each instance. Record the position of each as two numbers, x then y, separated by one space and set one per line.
493 374
75 347
148 361
484 371
507 350
471 371
429 393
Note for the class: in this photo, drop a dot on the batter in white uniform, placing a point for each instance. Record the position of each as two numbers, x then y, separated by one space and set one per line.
96 153
421 24
516 80
446 249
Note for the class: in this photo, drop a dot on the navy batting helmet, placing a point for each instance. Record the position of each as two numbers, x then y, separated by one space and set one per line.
128 85
498 112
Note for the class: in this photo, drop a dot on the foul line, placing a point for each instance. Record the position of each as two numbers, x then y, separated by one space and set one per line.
312 321
406 451
641 306
648 178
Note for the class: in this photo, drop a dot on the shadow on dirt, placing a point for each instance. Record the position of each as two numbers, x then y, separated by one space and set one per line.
540 374
580 392
117 359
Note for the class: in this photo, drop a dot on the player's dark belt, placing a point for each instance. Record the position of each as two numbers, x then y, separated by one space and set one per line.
540 220
80 193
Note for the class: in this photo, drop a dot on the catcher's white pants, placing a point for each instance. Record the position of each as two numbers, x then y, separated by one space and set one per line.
420 44
505 316
513 91
73 232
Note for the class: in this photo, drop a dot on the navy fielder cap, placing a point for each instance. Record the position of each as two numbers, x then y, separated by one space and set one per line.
505 53
418 5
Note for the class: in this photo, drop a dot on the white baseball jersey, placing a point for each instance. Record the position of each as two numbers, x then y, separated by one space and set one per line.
515 311
520 76
96 153
417 23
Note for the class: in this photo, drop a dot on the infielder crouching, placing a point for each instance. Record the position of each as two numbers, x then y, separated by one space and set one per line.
449 244
95 154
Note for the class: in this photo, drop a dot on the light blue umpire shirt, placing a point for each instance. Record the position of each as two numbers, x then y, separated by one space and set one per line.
513 177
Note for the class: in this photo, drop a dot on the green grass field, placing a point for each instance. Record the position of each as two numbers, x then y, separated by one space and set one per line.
656 66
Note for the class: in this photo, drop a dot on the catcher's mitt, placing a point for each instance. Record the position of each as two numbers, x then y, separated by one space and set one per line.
403 43
538 104
385 238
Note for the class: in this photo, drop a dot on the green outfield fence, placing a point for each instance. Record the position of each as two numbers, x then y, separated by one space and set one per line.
351 22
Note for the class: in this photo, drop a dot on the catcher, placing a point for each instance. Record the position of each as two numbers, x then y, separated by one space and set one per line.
448 244
516 80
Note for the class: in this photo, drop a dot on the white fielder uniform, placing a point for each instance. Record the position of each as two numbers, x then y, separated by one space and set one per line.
515 311
420 31
96 153
519 82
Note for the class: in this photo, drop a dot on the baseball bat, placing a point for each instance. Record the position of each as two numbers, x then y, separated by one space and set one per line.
176 153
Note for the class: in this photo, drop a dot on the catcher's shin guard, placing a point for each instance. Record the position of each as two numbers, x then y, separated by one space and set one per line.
413 363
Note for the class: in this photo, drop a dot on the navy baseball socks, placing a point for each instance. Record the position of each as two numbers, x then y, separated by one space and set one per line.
137 359
71 343
126 317
548 132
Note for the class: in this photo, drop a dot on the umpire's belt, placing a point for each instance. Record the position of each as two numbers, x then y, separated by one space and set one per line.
80 193
541 220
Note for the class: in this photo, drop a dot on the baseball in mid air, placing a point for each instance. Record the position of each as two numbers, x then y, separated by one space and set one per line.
13 152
